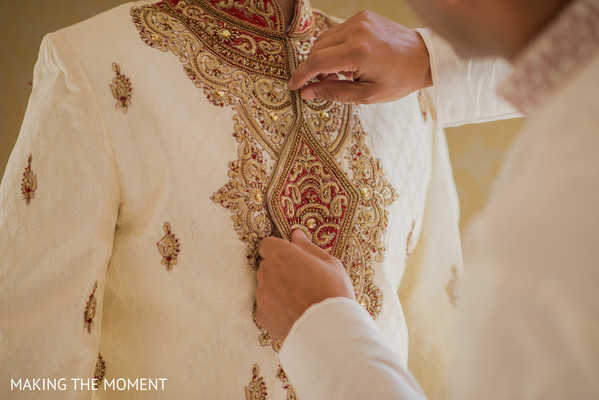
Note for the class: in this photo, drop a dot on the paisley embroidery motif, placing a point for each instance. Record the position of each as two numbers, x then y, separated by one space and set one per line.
121 89
29 182
90 310
256 390
169 247
310 192
100 370
452 287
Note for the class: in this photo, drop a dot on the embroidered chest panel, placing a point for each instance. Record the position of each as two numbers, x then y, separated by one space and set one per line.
300 164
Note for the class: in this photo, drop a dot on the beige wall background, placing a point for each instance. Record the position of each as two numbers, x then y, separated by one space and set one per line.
476 150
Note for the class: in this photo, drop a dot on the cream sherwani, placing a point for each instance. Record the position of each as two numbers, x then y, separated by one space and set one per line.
529 326
160 144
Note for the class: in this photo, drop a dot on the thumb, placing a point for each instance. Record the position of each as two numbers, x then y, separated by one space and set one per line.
299 238
342 91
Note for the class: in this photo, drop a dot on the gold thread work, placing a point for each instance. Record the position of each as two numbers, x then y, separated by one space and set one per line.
169 247
256 390
121 89
29 182
90 310
100 370
300 164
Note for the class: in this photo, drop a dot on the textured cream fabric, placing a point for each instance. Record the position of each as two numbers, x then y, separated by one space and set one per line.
107 183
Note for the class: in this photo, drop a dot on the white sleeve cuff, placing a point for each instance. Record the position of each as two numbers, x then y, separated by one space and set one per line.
464 91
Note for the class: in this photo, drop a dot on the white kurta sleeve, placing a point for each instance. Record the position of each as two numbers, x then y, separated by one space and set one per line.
464 91
58 207
428 289
335 351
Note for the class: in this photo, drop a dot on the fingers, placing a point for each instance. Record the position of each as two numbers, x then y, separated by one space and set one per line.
271 246
330 60
339 91
299 238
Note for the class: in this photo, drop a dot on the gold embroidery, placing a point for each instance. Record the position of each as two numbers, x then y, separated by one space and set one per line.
100 370
256 390
244 62
169 247
310 192
29 182
265 339
286 385
90 310
452 286
366 243
121 88
244 193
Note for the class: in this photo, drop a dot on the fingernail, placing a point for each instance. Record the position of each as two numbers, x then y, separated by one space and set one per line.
299 232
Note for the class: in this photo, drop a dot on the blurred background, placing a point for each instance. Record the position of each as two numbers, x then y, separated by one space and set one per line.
476 150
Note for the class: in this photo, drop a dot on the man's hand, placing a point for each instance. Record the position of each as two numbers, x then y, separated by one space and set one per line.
292 277
382 61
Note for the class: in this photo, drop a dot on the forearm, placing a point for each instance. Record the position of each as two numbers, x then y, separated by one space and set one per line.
338 341
464 91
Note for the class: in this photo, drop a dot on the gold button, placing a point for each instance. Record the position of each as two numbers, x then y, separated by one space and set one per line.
224 34
311 223
366 192
258 197
273 116
325 116
220 93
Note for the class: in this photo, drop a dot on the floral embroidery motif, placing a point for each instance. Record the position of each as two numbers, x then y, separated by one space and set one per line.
90 310
100 370
238 53
169 247
286 385
452 287
244 193
29 182
256 390
121 89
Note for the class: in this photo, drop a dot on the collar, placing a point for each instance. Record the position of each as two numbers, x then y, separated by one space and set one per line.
554 56
249 34
259 16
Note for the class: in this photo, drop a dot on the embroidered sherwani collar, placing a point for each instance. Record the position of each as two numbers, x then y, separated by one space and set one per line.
249 34
554 56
